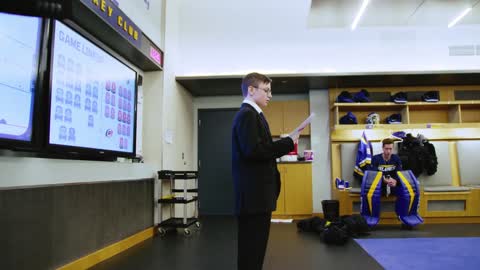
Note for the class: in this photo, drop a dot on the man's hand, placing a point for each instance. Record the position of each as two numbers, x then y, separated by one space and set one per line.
389 181
392 182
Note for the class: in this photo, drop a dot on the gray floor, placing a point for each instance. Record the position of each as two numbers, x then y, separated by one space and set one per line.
214 247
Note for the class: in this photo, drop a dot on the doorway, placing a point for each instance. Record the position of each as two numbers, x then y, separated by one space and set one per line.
215 181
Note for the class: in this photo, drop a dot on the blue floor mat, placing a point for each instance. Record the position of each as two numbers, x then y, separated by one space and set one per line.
424 253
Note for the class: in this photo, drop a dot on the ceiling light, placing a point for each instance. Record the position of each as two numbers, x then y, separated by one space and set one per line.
459 17
360 13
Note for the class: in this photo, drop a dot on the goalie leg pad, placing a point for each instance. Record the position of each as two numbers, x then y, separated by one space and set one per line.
371 191
408 197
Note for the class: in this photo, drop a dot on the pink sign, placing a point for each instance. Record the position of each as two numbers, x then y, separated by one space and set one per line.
156 55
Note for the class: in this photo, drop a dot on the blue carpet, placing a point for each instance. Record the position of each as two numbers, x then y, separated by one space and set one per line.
424 253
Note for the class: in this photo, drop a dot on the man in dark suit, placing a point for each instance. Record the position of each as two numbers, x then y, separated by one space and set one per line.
256 179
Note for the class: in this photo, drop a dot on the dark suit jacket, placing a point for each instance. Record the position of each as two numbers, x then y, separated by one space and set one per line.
256 179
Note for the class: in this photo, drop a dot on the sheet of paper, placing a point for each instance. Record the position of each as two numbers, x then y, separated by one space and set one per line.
304 124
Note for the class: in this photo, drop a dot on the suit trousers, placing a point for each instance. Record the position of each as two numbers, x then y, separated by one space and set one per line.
253 232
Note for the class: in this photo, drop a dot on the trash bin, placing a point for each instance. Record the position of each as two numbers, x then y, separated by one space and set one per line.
331 209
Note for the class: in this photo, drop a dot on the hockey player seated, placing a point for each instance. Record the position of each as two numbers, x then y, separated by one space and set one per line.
407 200
385 178
389 164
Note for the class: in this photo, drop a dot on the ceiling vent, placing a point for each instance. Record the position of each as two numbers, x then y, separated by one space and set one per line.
463 50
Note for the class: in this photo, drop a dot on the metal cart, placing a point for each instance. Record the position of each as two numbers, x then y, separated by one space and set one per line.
175 196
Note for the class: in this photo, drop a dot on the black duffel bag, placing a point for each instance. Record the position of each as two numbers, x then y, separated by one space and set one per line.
356 225
335 233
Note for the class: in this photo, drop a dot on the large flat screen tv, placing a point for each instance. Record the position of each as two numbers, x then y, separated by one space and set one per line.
20 41
92 98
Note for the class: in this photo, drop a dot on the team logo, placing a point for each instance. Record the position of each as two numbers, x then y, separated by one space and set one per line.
109 133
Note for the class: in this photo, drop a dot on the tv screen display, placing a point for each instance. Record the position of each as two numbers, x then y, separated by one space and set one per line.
20 39
92 96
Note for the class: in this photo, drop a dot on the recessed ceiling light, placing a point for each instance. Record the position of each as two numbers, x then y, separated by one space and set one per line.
360 13
459 17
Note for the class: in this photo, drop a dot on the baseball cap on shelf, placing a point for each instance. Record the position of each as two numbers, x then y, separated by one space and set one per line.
430 96
400 97
348 119
345 97
395 118
362 96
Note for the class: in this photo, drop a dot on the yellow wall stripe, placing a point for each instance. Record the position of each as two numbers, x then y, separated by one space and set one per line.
109 251
372 189
409 188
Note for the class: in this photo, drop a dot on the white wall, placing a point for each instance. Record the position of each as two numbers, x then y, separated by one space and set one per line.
272 36
320 141
147 15
177 103
36 172
177 110
151 20
152 118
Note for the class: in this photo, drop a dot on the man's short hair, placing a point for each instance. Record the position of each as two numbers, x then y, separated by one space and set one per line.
387 141
253 79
